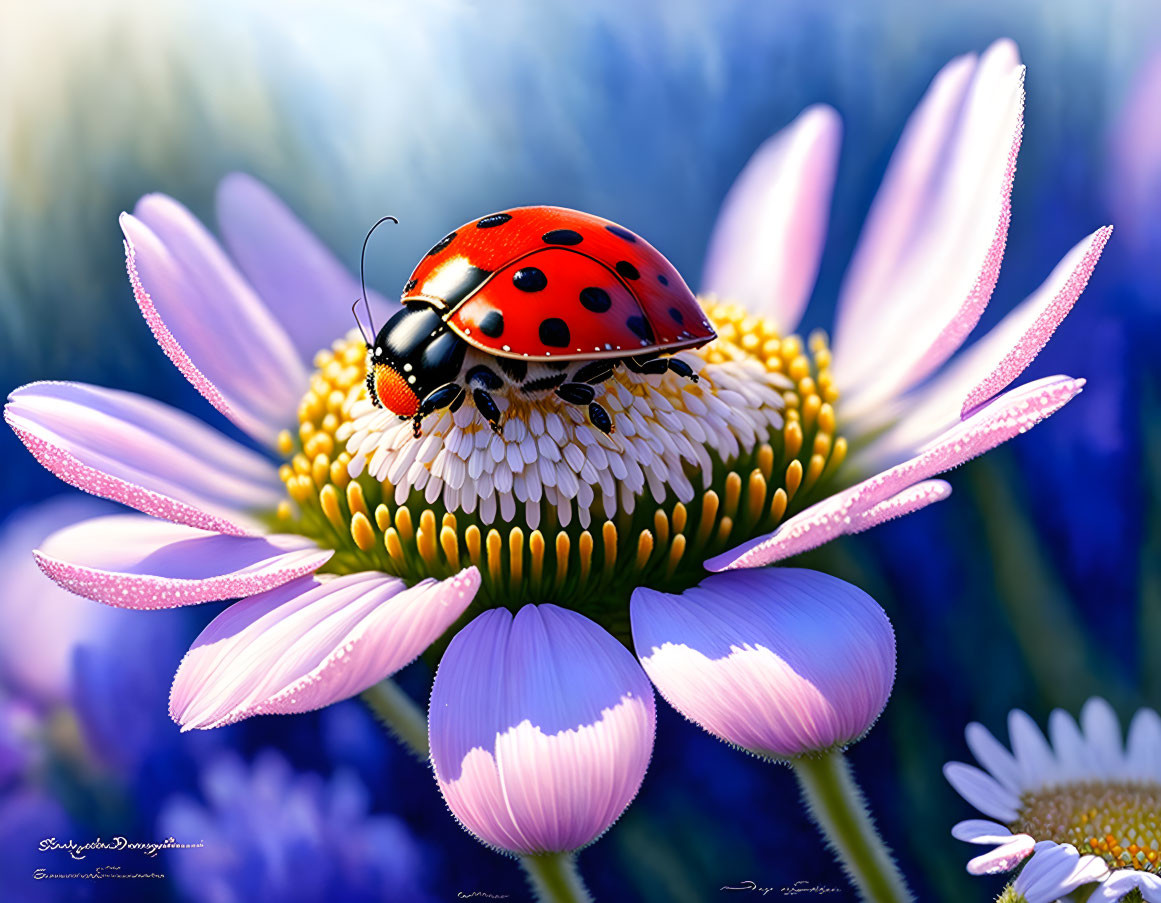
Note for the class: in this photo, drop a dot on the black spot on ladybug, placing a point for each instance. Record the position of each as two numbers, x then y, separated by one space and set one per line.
622 233
529 279
554 333
441 244
627 270
595 299
492 325
641 328
562 237
496 219
676 315
662 279
409 286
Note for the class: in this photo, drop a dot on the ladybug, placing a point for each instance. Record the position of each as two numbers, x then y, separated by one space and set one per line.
554 299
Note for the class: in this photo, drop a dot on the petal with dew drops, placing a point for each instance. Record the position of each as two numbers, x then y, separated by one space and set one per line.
298 278
780 661
131 561
990 364
209 321
541 728
310 643
912 318
1003 858
1008 416
144 454
767 242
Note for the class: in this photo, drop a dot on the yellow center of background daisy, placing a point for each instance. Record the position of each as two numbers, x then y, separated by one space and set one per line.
1117 820
758 427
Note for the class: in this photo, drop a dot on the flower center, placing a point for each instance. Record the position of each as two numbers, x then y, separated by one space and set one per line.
1117 820
551 508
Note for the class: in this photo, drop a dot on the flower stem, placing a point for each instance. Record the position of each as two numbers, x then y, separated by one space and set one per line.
837 806
400 715
554 878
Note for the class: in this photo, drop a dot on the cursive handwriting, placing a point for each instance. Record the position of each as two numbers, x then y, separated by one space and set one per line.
117 844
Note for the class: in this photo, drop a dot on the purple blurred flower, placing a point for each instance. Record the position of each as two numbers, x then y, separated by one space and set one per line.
271 833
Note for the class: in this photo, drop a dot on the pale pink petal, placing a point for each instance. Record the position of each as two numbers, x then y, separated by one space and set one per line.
910 500
767 241
541 729
298 279
989 365
781 661
209 321
143 454
1003 858
41 625
1056 870
1004 418
902 203
937 289
982 790
310 643
131 561
1036 319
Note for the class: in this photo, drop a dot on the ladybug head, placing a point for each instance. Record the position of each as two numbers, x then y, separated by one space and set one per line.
414 353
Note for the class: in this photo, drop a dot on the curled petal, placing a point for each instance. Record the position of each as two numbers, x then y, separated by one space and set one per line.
298 279
131 561
780 661
209 321
541 729
767 241
948 233
1056 870
1003 858
1008 416
143 454
311 642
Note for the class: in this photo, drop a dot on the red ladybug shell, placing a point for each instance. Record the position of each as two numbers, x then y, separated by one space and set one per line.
548 282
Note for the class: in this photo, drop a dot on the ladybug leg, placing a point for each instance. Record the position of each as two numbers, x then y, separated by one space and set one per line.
450 395
486 405
595 372
582 394
656 365
484 377
649 365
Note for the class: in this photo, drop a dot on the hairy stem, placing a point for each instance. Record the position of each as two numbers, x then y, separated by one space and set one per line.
837 806
554 878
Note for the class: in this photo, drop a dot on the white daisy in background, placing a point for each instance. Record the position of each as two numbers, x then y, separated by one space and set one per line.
1083 807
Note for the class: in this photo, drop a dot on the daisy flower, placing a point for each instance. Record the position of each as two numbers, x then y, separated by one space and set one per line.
1079 809
552 544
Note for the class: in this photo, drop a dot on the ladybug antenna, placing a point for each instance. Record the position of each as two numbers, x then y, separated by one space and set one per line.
363 281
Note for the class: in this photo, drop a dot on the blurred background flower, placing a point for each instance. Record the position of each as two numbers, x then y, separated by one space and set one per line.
644 114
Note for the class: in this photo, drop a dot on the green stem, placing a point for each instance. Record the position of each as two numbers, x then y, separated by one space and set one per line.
400 715
837 806
554 878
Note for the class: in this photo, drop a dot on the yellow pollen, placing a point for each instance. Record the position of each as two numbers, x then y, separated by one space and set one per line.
591 563
1119 821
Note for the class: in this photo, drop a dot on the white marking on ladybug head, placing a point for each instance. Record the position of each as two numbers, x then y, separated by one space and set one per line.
378 352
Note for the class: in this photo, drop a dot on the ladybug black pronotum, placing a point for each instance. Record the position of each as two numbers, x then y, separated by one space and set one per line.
555 298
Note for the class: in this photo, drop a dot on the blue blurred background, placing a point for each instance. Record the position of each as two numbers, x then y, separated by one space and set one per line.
1037 585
